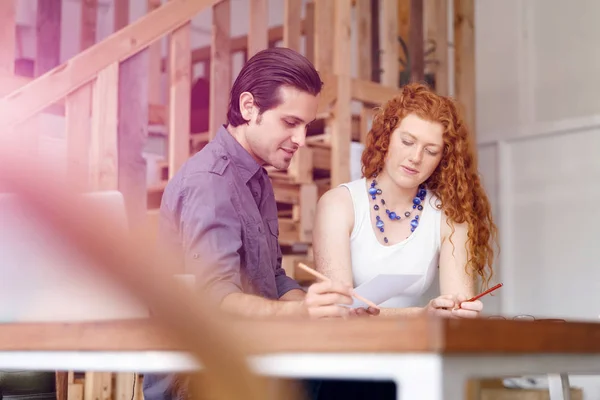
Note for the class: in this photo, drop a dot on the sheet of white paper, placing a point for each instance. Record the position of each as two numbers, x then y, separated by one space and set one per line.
383 287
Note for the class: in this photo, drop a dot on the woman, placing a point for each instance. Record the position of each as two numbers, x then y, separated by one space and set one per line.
420 206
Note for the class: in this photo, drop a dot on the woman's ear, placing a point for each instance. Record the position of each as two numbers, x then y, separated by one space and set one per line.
247 106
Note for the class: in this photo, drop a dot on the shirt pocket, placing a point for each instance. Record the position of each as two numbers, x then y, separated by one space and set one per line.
273 236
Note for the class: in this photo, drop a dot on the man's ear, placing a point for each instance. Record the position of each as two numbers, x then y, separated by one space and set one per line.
247 106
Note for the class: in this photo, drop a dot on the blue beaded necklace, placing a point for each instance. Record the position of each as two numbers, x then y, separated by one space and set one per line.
392 215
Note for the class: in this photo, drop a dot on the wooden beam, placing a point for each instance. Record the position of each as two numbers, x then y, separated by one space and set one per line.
104 144
389 44
375 43
8 30
84 67
48 35
240 43
180 84
78 107
292 18
154 91
342 123
371 93
258 28
309 31
132 131
121 14
415 42
436 31
220 66
464 45
89 12
363 15
324 38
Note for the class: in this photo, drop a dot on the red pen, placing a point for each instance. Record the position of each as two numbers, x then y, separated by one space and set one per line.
490 290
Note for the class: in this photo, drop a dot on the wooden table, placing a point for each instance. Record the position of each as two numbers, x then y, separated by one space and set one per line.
427 358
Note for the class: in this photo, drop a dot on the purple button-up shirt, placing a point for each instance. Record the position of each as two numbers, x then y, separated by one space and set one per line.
220 209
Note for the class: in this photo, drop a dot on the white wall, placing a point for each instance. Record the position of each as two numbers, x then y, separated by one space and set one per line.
538 125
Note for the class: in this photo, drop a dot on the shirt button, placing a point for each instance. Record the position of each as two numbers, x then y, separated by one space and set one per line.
260 229
224 157
255 194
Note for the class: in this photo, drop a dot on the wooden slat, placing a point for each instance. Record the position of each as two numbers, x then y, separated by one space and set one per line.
415 42
78 108
324 36
258 27
309 31
89 16
363 15
239 43
82 68
372 93
132 135
155 63
389 44
436 29
342 123
48 36
220 66
464 60
104 144
291 24
8 30
121 14
180 84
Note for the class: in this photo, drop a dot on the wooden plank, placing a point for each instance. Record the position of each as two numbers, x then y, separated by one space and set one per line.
291 24
239 43
307 209
120 14
372 93
104 166
309 31
220 66
415 42
436 31
389 44
82 68
342 123
464 61
78 109
363 15
89 16
8 31
324 37
258 28
124 386
132 136
48 35
97 386
180 84
155 55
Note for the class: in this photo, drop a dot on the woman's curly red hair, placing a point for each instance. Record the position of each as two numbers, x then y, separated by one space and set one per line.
455 181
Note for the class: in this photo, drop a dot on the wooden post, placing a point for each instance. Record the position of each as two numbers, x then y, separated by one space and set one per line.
389 44
220 66
436 30
48 35
121 14
180 85
104 143
89 12
291 24
342 123
464 60
309 31
132 135
415 42
324 47
258 27
155 58
8 31
365 62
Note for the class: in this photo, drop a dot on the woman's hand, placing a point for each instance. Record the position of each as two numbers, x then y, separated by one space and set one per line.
452 306
364 312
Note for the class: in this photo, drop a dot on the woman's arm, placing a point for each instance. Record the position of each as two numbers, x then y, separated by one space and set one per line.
454 280
334 220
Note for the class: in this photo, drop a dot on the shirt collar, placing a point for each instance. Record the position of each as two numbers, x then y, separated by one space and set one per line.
242 159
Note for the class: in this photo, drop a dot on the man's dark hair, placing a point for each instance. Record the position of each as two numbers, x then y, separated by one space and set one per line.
265 73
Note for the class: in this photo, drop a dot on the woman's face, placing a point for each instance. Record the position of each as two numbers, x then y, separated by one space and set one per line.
415 151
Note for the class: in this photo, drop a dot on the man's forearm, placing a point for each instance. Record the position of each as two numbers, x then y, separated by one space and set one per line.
254 306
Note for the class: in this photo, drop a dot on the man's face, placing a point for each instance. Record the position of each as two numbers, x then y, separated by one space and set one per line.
274 136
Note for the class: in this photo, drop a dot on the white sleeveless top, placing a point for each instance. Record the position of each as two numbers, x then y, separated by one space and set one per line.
418 254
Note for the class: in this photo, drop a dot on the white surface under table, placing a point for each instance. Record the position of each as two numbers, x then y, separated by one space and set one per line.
422 376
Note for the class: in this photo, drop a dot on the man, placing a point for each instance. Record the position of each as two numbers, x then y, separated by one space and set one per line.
220 208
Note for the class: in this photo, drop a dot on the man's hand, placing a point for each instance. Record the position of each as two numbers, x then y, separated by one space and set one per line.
324 299
364 312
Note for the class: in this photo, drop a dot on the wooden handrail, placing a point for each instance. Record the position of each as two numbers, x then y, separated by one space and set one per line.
32 98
